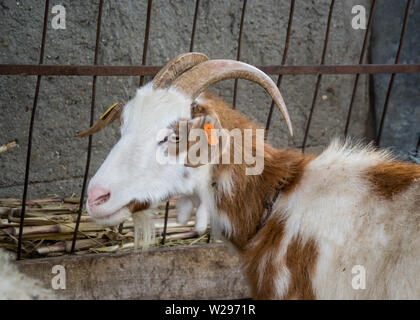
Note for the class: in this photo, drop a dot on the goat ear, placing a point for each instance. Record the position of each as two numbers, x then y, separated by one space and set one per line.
113 113
207 140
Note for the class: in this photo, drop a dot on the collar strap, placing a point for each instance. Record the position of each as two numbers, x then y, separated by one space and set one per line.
269 200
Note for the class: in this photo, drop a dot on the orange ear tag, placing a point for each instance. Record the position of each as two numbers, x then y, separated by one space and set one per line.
211 134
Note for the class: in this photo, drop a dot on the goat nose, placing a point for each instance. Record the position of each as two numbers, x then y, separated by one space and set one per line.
97 196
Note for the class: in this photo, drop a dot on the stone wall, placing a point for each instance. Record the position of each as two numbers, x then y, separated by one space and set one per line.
402 123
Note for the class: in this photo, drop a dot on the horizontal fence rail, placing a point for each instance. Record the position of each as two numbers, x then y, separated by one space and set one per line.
91 70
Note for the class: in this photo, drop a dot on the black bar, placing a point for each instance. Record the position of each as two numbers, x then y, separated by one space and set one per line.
92 115
391 82
238 54
356 80
197 5
283 62
165 226
146 39
318 81
31 127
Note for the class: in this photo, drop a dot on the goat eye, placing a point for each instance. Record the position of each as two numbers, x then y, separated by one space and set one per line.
164 140
174 138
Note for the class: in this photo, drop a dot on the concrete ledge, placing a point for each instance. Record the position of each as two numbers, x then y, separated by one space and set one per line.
199 272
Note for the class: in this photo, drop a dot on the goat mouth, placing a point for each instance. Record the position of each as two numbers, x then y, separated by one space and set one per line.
114 218
121 214
132 207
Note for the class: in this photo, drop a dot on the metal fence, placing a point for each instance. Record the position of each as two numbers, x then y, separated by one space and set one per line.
143 70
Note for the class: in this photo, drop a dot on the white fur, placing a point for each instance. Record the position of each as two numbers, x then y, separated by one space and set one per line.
334 206
201 219
143 229
221 225
14 285
131 170
185 207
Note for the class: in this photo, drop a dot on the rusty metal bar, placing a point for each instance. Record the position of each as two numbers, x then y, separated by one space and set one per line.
31 127
318 82
92 116
165 226
238 54
283 62
197 5
362 55
146 39
391 82
63 70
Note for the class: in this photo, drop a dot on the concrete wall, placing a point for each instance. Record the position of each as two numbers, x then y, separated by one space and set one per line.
58 159
402 123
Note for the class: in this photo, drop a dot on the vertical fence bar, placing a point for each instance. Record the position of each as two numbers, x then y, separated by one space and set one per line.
417 152
31 127
92 115
283 62
318 82
197 5
391 82
362 55
165 226
146 39
238 54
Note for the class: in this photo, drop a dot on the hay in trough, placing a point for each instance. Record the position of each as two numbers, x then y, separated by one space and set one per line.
49 226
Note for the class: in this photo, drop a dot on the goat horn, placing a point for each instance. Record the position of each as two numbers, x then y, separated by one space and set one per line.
175 67
106 119
199 78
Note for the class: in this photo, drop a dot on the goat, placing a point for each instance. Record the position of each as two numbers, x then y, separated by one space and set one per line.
303 226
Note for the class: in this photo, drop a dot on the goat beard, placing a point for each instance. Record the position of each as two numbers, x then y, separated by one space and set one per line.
142 220
143 224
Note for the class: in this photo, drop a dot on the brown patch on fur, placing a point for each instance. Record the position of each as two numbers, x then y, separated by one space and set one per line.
391 178
245 207
301 261
229 118
266 242
135 206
